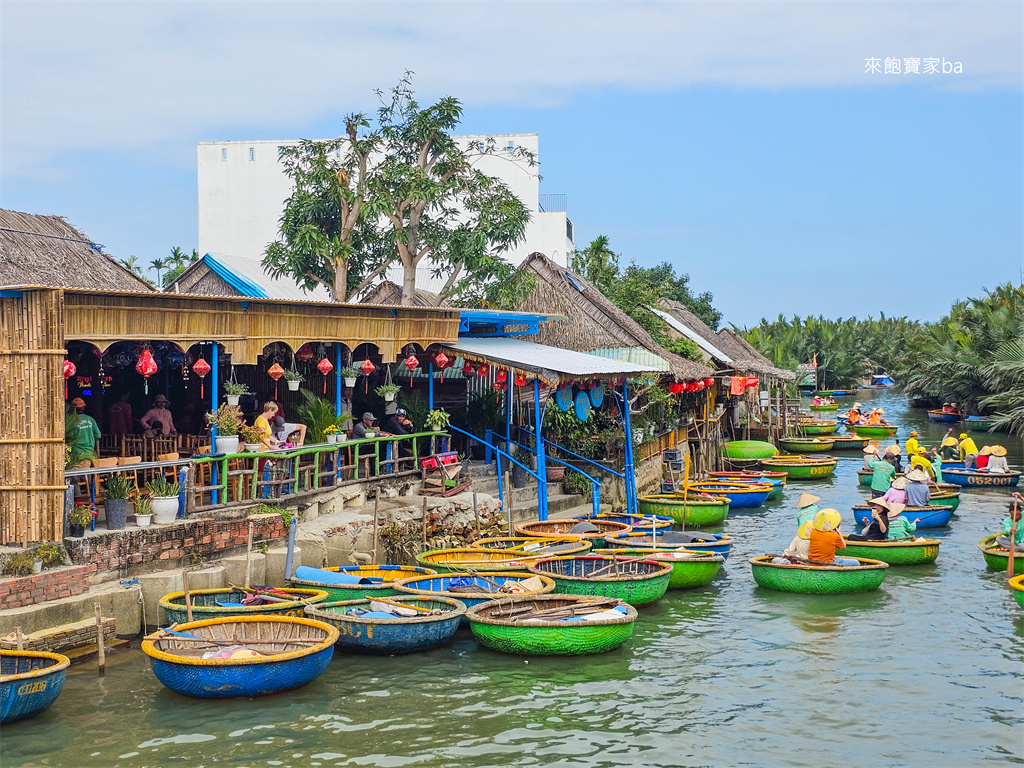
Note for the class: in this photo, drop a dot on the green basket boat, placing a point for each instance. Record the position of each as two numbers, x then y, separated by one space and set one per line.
799 468
817 427
531 545
998 558
470 559
818 579
494 624
637 582
388 575
693 512
849 442
896 552
748 449
831 407
690 569
1016 585
875 430
803 445
223 603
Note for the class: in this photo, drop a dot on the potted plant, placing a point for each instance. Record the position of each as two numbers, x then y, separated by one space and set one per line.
163 500
228 420
292 379
388 391
252 437
437 419
233 390
556 472
143 512
78 519
45 554
115 505
332 434
349 374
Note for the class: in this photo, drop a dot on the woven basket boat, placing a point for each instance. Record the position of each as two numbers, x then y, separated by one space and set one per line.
749 476
895 552
205 604
690 569
831 407
740 495
748 449
296 650
979 424
638 583
720 545
475 559
998 558
945 499
817 427
802 445
800 468
971 479
644 521
481 589
531 545
818 579
928 517
559 529
494 626
30 681
1016 585
691 511
875 430
938 415
849 443
390 575
391 636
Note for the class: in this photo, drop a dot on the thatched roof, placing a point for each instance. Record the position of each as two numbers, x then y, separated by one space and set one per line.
387 292
46 250
593 323
744 353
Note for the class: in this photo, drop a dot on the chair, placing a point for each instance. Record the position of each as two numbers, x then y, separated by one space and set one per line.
81 484
133 445
128 460
204 474
170 473
99 463
441 474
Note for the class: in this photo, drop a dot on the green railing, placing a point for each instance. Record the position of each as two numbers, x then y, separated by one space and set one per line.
248 478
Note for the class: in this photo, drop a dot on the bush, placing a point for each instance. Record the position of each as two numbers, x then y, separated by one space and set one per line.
19 564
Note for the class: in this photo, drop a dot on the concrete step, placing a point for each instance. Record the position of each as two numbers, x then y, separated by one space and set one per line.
556 504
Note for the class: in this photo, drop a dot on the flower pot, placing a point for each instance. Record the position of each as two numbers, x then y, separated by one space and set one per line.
165 509
436 428
143 521
350 382
232 399
519 476
253 447
370 434
333 439
116 513
390 397
37 566
77 531
293 386
555 474
226 444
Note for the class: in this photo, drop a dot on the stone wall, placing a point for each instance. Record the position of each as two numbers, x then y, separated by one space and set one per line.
64 637
48 585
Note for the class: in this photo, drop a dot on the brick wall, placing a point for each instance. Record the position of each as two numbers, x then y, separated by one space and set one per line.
65 637
48 585
171 546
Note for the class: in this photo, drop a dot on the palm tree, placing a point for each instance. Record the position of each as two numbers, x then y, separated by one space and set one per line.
132 263
159 265
177 257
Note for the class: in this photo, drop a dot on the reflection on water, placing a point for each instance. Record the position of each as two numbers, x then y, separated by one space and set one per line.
925 671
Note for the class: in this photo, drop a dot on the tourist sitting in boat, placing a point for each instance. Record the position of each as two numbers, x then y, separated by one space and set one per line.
1008 526
853 415
883 473
800 546
947 408
806 507
997 461
897 492
912 444
968 451
917 488
981 462
870 454
876 529
816 401
936 458
899 526
826 537
875 418
949 448
896 453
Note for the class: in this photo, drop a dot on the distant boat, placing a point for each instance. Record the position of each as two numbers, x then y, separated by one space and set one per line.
882 380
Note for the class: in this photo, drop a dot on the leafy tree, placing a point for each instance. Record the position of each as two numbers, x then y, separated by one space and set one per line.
177 263
598 264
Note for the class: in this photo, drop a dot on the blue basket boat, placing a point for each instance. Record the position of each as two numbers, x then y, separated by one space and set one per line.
294 651
972 479
30 681
472 588
938 415
391 635
351 582
930 517
719 543
740 495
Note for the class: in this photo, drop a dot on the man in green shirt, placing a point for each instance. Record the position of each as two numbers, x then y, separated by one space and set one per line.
88 430
937 465
883 473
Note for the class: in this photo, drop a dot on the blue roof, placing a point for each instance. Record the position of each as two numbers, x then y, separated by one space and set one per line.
492 323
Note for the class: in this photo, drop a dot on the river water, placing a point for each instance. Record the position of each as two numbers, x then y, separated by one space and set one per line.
926 671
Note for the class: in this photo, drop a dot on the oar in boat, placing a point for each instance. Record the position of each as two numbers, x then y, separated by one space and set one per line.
403 605
273 596
615 565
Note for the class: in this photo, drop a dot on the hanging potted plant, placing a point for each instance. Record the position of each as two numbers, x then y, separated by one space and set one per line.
78 519
228 420
292 378
115 505
233 391
252 437
163 500
349 374
143 512
388 391
437 419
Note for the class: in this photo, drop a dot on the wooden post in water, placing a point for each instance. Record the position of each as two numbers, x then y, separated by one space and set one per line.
18 638
188 595
424 519
99 640
376 505
248 557
508 496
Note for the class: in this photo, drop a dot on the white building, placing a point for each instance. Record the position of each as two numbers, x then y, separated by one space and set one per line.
242 189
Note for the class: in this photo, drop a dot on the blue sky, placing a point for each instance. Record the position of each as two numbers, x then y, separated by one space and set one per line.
742 142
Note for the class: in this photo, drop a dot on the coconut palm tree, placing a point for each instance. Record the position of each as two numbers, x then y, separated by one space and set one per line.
132 263
158 265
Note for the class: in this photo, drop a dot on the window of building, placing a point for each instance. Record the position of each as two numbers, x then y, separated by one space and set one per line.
511 146
224 154
252 153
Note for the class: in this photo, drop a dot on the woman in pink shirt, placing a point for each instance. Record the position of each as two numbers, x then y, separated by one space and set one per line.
159 413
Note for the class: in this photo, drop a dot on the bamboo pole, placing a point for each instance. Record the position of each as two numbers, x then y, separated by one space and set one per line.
376 506
424 519
19 640
248 556
188 595
99 640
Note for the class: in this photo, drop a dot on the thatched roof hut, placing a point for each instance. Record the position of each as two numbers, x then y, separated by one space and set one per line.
390 293
46 250
593 323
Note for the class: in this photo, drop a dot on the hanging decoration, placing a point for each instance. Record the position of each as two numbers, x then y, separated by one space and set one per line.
520 380
709 382
69 371
442 361
200 369
501 376
467 370
483 369
597 394
367 368
411 363
563 397
325 366
582 406
275 372
146 366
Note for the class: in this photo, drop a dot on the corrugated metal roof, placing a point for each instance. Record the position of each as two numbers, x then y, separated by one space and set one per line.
638 355
253 281
549 363
692 335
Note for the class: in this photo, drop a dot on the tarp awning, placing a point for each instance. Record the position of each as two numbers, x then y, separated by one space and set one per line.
552 365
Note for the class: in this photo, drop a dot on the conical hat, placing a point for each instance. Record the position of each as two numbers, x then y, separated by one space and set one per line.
916 475
998 450
985 451
804 531
827 520
900 483
880 502
806 499
869 448
894 510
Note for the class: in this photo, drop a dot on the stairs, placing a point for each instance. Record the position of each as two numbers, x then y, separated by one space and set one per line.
524 500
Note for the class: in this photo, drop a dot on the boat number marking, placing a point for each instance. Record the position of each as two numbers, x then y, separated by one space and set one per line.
36 687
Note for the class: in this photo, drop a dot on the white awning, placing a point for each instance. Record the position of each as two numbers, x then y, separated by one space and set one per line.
692 335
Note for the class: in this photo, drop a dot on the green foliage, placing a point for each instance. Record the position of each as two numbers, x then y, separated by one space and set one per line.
159 486
228 419
272 509
48 553
81 515
290 375
19 564
438 417
143 506
416 408
119 487
484 411
234 388
317 414
387 389
177 262
574 482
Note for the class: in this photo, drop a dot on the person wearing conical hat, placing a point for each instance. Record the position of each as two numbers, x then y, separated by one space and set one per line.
806 507
800 546
853 415
949 447
876 529
826 538
896 452
912 444
997 461
918 494
897 492
921 461
899 526
870 454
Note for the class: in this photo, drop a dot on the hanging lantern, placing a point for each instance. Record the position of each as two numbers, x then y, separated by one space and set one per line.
325 367
367 368
275 372
520 380
467 369
411 363
709 382
69 371
483 369
146 366
200 369
441 361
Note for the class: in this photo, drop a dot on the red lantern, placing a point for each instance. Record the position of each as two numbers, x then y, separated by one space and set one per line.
69 371
441 361
200 369
146 366
325 367
367 367
483 369
709 382
275 372
520 380
411 362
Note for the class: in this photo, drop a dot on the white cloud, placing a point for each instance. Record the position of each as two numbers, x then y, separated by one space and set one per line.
137 76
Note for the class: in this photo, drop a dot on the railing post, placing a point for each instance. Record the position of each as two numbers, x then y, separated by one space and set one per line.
337 379
430 385
630 472
596 496
182 490
214 388
538 450
488 436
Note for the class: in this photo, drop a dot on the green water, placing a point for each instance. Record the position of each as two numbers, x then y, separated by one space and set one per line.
924 672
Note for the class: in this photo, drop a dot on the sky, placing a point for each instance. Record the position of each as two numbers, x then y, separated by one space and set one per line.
752 145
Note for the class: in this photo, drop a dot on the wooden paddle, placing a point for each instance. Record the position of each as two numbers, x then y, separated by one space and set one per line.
1013 536
272 597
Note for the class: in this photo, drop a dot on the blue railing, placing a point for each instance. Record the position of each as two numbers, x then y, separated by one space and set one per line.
488 447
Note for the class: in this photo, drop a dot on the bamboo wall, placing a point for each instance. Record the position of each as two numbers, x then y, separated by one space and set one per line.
31 417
